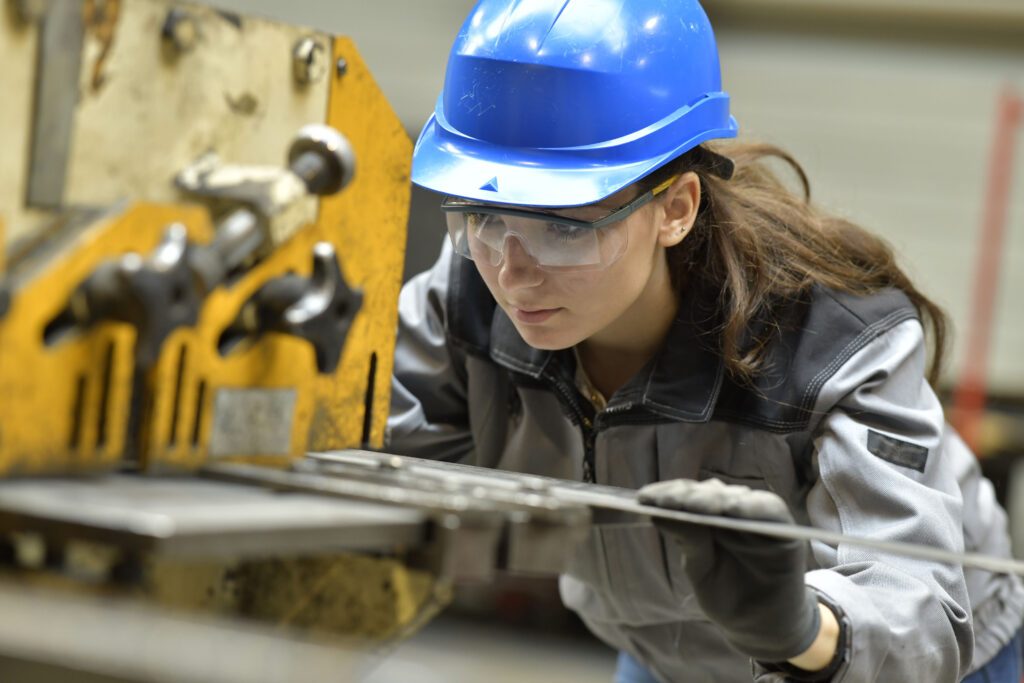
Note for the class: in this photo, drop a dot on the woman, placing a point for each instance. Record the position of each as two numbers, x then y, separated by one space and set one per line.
626 303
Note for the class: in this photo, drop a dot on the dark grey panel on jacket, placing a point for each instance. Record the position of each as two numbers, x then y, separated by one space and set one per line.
813 338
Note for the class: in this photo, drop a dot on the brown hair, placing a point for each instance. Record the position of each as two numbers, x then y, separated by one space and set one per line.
759 245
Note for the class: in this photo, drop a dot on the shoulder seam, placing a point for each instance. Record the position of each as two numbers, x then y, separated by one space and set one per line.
869 333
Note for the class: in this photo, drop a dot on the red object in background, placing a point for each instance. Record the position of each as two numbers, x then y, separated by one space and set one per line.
969 393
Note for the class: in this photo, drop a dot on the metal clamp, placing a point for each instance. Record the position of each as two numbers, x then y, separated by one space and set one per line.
319 309
320 160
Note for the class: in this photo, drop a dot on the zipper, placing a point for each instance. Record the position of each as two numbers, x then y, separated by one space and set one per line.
589 427
571 398
604 418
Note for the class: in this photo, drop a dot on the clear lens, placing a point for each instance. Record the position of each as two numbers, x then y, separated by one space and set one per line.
554 245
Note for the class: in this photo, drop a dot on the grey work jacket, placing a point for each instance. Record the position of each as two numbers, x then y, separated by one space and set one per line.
843 426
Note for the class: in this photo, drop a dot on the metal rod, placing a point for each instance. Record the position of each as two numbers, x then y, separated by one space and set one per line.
800 532
58 65
624 500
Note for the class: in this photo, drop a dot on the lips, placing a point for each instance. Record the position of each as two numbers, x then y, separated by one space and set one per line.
533 316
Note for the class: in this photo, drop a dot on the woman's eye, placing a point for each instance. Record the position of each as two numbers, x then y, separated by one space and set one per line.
565 232
485 222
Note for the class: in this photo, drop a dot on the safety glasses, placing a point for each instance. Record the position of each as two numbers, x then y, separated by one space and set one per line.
578 238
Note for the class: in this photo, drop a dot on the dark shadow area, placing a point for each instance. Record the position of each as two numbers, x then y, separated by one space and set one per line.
426 231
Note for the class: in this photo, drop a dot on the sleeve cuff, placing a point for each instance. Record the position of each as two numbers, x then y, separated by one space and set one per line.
792 673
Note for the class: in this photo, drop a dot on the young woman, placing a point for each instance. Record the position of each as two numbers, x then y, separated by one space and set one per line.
624 302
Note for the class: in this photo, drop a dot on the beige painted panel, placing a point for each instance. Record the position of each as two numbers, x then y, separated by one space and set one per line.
405 42
234 93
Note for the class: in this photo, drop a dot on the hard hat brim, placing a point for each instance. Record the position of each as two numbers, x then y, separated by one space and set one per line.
450 163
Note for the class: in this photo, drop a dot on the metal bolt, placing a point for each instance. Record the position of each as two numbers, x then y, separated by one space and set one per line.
309 61
180 31
341 67
323 158
392 463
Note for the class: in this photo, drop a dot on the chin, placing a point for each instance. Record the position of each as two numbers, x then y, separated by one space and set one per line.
546 339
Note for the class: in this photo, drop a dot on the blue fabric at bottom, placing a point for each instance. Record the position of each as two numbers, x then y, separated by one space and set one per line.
628 670
1005 667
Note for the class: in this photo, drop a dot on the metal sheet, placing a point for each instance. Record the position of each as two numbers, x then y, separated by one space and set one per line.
186 516
476 500
623 501
518 529
95 638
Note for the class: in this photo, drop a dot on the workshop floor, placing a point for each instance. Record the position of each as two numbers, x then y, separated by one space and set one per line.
456 650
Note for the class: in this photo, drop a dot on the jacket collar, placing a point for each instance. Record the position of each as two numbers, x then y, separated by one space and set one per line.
681 383
684 380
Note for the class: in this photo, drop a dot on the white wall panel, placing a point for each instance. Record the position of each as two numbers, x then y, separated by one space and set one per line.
897 137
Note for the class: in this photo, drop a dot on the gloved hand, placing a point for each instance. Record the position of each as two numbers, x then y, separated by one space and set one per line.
751 585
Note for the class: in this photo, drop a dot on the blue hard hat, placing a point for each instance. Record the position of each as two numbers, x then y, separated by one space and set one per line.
565 102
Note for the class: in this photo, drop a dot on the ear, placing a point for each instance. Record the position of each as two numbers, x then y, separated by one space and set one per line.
679 206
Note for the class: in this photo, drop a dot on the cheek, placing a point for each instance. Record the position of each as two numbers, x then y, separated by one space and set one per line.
609 297
591 297
481 253
604 298
595 299
577 285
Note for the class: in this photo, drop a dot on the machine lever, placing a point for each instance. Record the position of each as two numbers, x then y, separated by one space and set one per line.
156 295
319 309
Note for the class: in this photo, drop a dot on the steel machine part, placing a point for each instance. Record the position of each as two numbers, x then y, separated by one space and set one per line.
369 559
318 309
428 483
118 285
167 164
87 639
203 238
187 280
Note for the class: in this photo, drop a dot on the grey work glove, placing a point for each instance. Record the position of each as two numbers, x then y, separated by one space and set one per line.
751 585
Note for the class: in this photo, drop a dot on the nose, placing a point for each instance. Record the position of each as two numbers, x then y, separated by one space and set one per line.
518 269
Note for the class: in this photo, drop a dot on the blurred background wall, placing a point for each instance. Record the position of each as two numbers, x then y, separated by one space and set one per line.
890 105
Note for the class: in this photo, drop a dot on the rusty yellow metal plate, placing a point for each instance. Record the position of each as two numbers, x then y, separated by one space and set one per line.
64 405
241 403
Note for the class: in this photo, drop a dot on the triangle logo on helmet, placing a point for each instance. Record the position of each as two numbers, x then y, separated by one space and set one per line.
491 185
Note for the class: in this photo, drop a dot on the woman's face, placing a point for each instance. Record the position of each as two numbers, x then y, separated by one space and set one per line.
556 310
